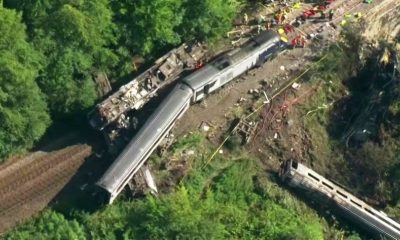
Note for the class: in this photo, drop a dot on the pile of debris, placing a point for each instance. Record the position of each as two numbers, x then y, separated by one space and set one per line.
112 116
140 90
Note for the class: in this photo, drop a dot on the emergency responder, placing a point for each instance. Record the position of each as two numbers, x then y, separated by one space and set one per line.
331 12
323 16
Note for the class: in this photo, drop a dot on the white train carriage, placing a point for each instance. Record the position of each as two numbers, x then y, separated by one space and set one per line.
299 176
227 67
145 141
193 88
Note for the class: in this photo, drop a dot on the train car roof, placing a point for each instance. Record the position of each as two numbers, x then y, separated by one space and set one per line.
198 78
137 148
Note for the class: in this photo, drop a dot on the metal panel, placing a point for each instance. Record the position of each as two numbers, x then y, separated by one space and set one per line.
135 153
237 61
354 208
198 79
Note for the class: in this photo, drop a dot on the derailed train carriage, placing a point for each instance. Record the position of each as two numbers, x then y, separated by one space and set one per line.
191 89
377 222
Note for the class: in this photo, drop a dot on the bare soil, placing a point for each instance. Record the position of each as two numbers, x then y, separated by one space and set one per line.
30 182
217 107
281 134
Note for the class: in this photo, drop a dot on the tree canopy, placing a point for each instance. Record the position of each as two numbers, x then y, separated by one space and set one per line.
147 26
74 52
67 42
23 110
51 225
208 19
79 38
187 214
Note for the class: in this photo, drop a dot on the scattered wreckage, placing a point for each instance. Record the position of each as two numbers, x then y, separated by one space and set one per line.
112 115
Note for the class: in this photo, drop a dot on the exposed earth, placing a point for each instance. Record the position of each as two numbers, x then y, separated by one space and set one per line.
30 182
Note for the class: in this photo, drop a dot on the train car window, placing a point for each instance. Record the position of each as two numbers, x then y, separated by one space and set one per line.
208 87
250 46
201 91
221 63
314 177
369 211
341 194
294 164
356 203
327 185
339 185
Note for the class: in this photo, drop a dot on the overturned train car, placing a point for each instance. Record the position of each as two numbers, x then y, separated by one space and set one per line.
191 89
377 222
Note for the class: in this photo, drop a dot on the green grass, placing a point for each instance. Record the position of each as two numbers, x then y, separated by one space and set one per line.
230 197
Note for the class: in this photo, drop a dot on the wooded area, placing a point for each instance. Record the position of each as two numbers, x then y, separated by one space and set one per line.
213 202
353 119
50 51
231 197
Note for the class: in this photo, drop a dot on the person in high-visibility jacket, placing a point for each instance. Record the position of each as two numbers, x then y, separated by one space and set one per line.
297 5
331 12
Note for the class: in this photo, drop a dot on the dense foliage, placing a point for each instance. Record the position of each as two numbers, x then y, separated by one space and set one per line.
71 41
207 19
50 51
23 110
353 119
230 205
73 35
51 225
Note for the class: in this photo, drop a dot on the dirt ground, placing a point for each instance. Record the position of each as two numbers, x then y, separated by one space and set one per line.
217 107
285 130
29 183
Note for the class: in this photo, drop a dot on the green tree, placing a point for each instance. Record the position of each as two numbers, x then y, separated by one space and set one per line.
33 10
182 214
148 26
23 111
208 19
75 37
75 51
50 225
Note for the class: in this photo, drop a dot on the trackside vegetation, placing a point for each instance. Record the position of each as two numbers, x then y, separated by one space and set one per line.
214 201
352 120
52 49
24 113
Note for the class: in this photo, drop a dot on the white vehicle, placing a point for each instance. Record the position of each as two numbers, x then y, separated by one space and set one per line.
299 176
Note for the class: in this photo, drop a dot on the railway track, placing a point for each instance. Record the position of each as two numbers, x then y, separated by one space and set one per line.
347 6
28 184
341 9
